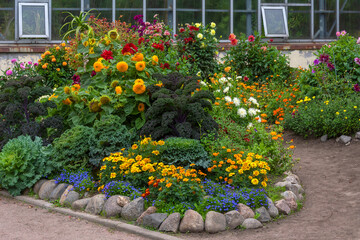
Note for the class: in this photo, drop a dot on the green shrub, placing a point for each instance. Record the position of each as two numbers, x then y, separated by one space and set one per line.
178 109
22 163
257 60
184 152
72 148
332 117
109 136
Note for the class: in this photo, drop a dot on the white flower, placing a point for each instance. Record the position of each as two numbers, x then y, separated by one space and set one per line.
212 24
215 39
250 125
239 77
212 32
217 90
241 112
202 83
236 101
197 25
200 36
254 101
252 112
223 80
227 99
226 89
229 84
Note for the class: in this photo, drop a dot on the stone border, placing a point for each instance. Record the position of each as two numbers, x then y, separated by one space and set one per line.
121 226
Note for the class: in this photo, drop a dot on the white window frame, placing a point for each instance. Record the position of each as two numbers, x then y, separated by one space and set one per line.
267 34
46 9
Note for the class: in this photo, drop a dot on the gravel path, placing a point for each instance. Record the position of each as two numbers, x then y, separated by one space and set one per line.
330 174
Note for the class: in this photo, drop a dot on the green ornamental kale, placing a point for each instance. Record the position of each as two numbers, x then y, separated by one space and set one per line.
178 109
23 162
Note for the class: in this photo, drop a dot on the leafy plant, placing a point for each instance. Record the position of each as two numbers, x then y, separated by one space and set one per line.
77 24
23 162
109 136
184 152
22 112
178 109
257 60
71 150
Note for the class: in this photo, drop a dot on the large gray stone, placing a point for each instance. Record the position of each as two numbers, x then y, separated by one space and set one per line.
357 135
251 223
71 197
96 204
233 219
111 208
293 188
58 191
272 210
38 185
171 223
80 204
123 200
150 210
344 139
192 222
293 179
324 138
282 184
289 195
282 206
264 215
46 189
215 222
245 211
65 193
133 210
291 203
154 220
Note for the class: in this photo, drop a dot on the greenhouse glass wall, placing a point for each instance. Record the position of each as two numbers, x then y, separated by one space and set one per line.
307 20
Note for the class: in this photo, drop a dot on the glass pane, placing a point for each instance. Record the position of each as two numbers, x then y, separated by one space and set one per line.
7 3
219 13
66 4
164 16
349 17
275 21
299 20
58 20
273 1
158 3
33 20
299 1
161 7
325 19
7 25
128 10
245 17
188 11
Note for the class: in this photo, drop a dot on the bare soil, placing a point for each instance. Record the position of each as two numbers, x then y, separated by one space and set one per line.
330 175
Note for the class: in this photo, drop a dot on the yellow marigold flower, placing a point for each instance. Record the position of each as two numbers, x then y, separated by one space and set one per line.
122 66
160 142
185 179
156 152
140 66
98 66
118 90
134 146
263 183
76 87
67 90
67 101
256 173
139 88
86 43
63 44
137 57
91 50
254 181
155 60
141 107
139 81
168 185
263 171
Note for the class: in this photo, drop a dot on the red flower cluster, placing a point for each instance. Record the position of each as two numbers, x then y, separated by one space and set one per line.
193 28
129 48
233 39
158 46
188 40
141 40
251 38
107 55
165 65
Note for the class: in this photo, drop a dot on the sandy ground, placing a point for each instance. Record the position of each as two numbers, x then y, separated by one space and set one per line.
330 174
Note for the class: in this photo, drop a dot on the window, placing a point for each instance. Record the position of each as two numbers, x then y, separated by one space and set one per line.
275 22
33 20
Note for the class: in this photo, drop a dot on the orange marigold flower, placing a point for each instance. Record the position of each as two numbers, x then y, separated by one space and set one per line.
122 66
98 66
141 107
139 88
67 101
227 69
139 81
63 44
58 69
66 90
118 90
292 147
53 59
155 60
76 87
140 66
64 64
137 57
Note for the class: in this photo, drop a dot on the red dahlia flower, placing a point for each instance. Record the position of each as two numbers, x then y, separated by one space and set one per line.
251 38
107 55
129 48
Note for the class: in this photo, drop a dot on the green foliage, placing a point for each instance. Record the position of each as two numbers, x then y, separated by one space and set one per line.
54 67
184 152
71 150
257 60
335 71
77 24
198 45
109 136
178 109
22 112
23 162
332 117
